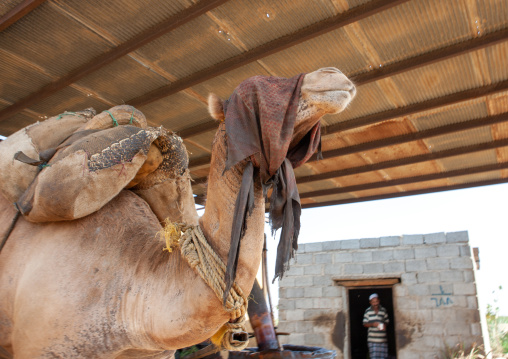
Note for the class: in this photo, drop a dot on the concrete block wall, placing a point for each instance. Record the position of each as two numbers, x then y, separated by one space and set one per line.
435 303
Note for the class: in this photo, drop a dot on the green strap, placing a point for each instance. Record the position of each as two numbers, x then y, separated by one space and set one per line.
115 122
132 115
67 114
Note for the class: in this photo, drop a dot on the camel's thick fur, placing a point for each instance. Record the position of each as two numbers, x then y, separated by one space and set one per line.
101 286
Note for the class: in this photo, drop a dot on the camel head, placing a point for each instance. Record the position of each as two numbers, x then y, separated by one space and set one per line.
324 91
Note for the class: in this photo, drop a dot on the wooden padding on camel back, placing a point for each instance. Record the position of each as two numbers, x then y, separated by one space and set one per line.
15 176
84 176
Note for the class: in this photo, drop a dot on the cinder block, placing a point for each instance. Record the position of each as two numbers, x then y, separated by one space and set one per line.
394 267
418 290
434 238
333 291
303 259
389 241
406 303
472 302
416 265
314 339
323 258
468 276
316 314
305 303
399 290
443 315
465 251
350 244
313 292
353 269
449 250
457 237
295 315
459 301
441 290
428 277
382 255
295 293
466 315
461 263
286 304
295 270
412 239
287 282
316 269
313 247
425 252
451 276
476 329
438 263
304 327
457 328
365 256
323 280
286 326
405 253
322 303
369 243
464 289
408 278
371 268
304 281
342 257
331 246
333 269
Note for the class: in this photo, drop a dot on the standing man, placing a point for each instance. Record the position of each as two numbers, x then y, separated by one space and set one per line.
376 319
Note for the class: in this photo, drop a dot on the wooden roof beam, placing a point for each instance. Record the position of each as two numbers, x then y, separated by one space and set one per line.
406 180
394 163
18 12
397 68
355 14
405 161
442 130
115 53
407 193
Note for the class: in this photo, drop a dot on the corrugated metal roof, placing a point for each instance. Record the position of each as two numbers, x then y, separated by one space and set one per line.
431 111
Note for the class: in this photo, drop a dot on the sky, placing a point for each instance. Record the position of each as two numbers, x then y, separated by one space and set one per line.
481 211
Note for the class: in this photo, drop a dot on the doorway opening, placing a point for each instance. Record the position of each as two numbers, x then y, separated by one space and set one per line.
358 303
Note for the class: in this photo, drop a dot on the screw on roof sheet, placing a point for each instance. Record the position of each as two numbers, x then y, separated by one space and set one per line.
267 15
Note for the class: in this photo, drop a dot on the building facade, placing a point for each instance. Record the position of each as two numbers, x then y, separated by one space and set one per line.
426 283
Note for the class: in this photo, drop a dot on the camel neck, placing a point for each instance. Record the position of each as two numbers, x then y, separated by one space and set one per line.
217 221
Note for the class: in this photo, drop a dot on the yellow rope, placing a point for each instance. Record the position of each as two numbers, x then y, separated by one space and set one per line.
201 256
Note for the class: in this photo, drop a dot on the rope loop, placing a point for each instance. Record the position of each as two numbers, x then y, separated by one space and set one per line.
115 122
201 257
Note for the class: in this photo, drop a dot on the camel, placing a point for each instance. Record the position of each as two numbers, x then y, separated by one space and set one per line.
102 287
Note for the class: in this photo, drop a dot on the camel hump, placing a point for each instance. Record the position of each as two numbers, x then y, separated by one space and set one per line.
216 107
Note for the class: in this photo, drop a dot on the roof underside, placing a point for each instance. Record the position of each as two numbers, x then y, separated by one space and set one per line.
432 82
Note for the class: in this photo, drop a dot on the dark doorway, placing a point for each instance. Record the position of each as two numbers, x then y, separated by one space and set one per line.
358 302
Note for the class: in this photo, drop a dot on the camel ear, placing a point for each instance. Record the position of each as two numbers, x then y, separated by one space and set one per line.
215 107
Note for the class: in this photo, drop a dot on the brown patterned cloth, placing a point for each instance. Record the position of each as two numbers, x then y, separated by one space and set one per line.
260 119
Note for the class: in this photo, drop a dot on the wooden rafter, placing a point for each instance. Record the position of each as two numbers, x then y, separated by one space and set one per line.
115 53
407 193
357 13
18 12
395 140
397 68
406 180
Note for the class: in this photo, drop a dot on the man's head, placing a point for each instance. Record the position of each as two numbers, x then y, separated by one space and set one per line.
374 300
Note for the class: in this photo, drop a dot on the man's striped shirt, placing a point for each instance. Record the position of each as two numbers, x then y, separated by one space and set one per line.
375 335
